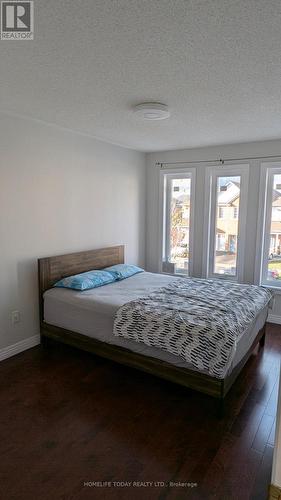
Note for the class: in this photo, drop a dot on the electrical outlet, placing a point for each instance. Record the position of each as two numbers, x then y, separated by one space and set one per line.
15 315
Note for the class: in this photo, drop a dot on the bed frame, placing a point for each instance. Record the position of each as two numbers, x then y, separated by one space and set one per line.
51 269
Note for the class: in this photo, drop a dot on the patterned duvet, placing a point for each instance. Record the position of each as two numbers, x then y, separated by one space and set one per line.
196 319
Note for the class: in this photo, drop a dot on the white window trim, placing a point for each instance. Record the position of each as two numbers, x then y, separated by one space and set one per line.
212 173
175 173
268 169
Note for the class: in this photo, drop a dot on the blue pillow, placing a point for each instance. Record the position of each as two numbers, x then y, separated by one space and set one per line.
122 271
86 281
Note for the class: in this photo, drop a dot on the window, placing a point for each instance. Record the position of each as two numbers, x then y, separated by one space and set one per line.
178 200
270 272
225 221
221 213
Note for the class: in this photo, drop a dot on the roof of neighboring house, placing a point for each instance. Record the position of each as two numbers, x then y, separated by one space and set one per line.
276 198
184 198
232 192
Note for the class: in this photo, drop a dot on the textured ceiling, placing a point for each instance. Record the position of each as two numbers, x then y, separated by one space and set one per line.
216 63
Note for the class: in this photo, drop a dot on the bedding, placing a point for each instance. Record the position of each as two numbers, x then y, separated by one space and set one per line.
86 281
92 313
199 320
122 271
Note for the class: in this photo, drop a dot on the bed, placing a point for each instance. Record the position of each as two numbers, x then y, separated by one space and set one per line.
85 320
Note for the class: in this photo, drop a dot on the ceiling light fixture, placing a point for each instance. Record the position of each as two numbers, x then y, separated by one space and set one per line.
152 111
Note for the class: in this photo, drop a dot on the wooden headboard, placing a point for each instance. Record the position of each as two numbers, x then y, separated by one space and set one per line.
52 269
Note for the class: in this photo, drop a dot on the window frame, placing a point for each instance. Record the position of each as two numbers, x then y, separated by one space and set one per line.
175 173
267 172
212 173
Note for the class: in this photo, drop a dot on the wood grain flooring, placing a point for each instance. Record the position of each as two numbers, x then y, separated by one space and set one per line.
69 419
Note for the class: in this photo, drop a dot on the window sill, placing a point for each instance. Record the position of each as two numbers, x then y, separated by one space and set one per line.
176 275
275 289
225 277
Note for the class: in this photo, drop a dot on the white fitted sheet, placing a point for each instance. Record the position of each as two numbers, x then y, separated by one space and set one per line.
92 313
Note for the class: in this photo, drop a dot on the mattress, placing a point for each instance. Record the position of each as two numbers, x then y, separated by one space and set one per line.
92 313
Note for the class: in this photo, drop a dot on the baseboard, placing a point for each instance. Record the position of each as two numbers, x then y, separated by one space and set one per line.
274 492
13 349
272 318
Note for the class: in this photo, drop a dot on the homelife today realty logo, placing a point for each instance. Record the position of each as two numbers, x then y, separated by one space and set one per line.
17 20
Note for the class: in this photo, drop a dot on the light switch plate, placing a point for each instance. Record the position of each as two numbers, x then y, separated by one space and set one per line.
15 315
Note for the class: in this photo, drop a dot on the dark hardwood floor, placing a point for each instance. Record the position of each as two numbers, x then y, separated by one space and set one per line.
69 418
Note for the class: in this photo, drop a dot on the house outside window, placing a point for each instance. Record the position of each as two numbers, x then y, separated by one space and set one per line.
269 262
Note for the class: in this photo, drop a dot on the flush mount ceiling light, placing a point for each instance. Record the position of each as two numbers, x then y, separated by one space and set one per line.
152 111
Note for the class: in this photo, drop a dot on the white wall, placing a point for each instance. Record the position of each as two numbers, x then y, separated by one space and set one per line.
60 192
208 153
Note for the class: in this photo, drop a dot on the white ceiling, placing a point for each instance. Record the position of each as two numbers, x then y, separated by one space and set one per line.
216 63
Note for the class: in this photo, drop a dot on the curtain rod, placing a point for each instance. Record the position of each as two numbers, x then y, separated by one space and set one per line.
217 160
